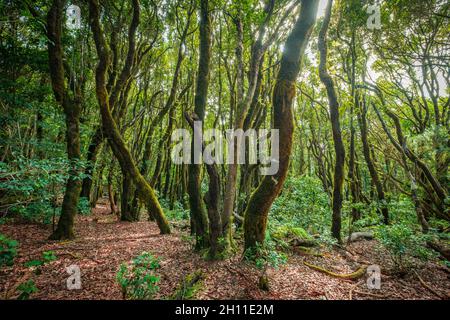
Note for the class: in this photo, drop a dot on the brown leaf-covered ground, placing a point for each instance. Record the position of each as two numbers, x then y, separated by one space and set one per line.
102 244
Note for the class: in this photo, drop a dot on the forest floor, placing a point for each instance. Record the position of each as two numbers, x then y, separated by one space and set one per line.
102 244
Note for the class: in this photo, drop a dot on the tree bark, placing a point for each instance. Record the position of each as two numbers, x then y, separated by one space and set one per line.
198 212
72 110
339 149
258 50
370 165
93 149
284 92
121 152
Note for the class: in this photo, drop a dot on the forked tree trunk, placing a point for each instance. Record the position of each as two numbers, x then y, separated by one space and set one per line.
121 152
335 125
244 103
284 93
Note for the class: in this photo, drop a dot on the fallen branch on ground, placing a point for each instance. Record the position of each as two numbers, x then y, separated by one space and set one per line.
303 251
358 236
350 293
189 286
350 276
371 294
428 287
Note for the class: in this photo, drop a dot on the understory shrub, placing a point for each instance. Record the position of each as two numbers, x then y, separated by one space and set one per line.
175 211
302 210
26 289
402 243
33 189
8 250
138 279
266 254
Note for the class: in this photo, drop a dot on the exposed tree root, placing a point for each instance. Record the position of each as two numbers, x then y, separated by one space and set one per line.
350 276
426 286
298 242
303 251
444 251
380 296
350 293
189 286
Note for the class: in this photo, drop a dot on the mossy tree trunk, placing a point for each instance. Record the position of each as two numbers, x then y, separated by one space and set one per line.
72 111
93 150
118 146
243 105
362 118
197 208
283 95
339 149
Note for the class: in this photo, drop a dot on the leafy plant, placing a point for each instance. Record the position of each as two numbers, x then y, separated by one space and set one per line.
84 207
47 256
402 243
8 250
302 205
31 188
138 279
265 255
174 211
26 289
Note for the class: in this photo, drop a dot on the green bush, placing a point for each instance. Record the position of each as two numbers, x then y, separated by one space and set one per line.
41 211
26 289
8 250
302 204
265 255
47 256
138 279
84 207
30 187
402 243
175 211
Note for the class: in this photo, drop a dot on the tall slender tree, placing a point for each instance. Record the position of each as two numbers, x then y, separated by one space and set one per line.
261 200
70 100
333 102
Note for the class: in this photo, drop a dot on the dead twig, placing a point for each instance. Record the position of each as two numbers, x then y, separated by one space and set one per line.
350 293
428 287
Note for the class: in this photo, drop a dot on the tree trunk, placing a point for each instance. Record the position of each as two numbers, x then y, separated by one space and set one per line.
198 212
72 110
121 152
335 125
370 165
284 93
93 149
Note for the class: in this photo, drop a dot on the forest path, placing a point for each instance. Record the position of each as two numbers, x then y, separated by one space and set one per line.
102 244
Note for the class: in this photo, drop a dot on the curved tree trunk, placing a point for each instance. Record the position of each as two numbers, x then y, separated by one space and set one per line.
72 110
93 149
121 152
362 117
259 205
335 125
